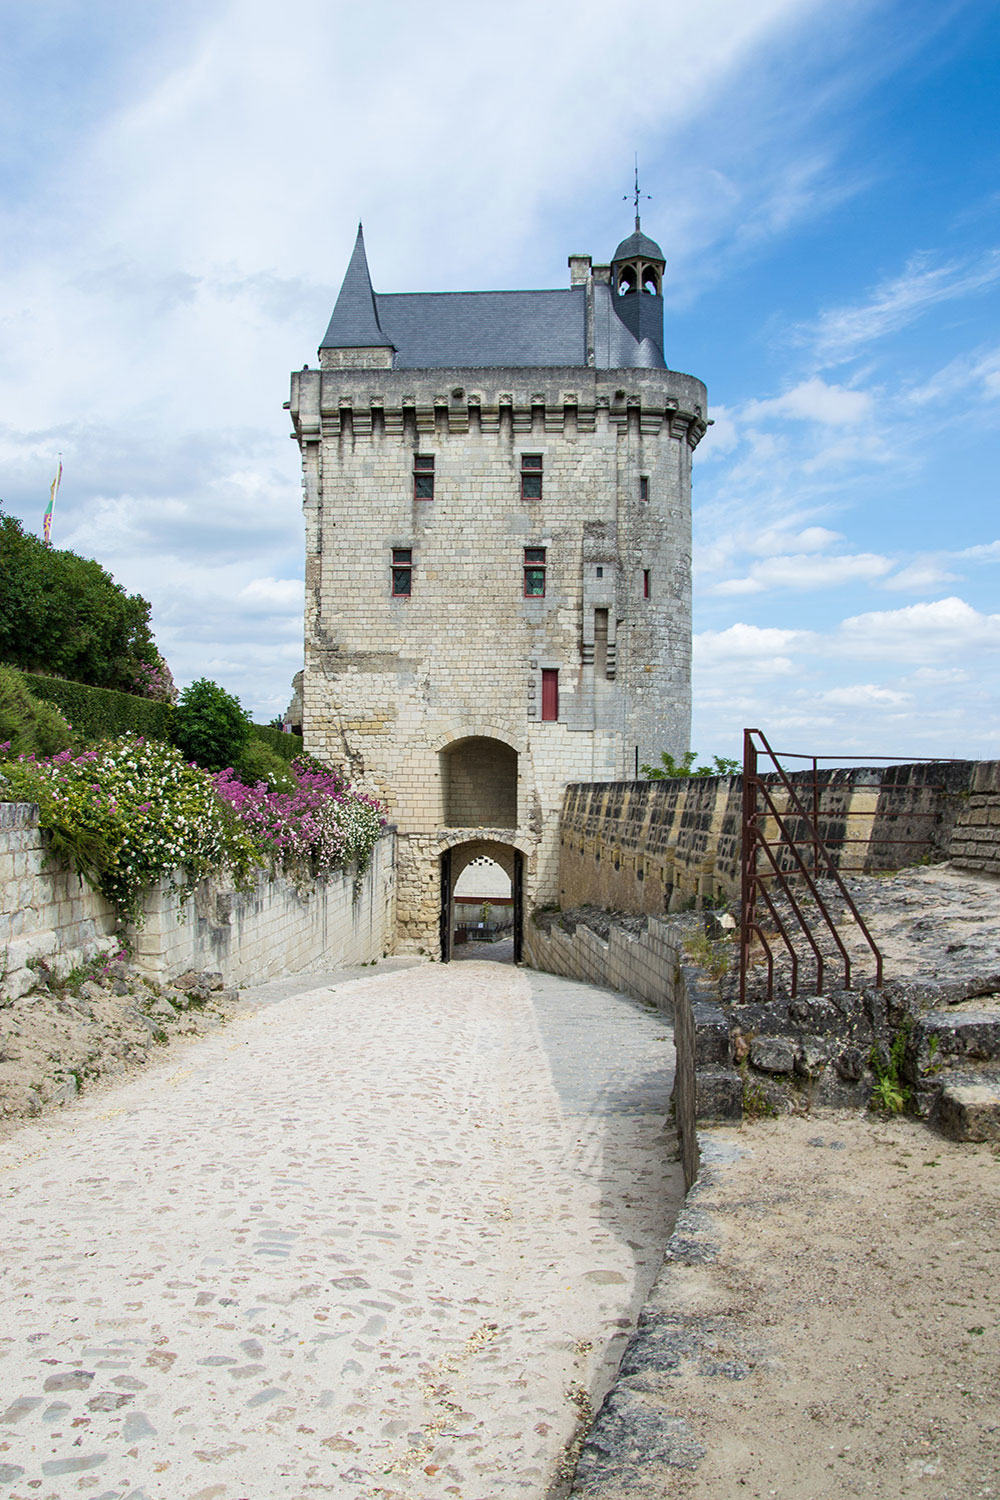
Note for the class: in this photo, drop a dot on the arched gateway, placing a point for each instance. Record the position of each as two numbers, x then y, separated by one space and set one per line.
456 860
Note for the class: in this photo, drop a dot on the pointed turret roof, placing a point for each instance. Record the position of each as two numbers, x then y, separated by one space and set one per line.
355 323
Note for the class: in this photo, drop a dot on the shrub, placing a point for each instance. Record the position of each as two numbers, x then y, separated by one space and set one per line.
258 762
210 727
288 746
131 813
100 713
670 769
27 725
154 679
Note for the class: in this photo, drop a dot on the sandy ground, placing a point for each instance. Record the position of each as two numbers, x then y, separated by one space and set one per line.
846 1338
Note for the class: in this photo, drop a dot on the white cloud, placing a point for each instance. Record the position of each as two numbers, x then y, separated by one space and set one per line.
862 695
274 594
917 577
806 571
926 633
762 651
841 332
814 400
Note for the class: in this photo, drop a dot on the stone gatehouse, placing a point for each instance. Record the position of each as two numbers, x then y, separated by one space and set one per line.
497 491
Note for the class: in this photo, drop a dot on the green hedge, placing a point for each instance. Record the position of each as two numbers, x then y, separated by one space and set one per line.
288 746
101 713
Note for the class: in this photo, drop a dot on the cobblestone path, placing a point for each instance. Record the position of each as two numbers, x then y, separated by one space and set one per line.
375 1241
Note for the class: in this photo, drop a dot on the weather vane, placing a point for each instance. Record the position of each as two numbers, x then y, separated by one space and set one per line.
635 195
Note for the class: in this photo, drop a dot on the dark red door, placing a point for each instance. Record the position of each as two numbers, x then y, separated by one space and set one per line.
550 693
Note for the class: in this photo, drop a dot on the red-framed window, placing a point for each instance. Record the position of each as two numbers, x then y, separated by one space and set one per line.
423 476
643 486
402 572
534 572
531 476
645 583
550 694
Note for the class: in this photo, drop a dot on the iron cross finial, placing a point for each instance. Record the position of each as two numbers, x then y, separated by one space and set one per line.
635 195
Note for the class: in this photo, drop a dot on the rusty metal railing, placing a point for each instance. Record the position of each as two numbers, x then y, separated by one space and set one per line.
794 859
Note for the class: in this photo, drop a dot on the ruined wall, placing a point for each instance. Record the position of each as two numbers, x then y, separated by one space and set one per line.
656 846
975 842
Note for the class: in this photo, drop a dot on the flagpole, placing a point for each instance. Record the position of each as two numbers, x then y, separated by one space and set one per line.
53 492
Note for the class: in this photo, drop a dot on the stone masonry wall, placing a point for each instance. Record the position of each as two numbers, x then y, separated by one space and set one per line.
651 965
44 910
274 928
975 842
656 846
48 912
392 683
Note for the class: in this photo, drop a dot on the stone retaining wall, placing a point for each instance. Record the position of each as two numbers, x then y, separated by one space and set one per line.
46 912
651 964
275 927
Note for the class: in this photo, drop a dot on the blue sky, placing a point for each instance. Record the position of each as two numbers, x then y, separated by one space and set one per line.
179 190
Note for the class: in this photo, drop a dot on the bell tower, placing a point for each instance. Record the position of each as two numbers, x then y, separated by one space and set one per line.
637 268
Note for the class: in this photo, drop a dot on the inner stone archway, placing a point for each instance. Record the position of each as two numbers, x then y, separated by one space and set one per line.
466 872
479 782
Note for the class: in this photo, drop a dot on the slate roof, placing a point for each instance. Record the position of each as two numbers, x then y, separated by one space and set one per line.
442 330
355 323
482 330
637 244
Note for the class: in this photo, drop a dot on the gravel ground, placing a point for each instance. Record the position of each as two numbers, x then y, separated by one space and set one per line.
378 1241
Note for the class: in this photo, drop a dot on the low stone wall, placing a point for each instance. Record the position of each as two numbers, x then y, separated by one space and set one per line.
275 928
650 963
46 912
658 846
975 842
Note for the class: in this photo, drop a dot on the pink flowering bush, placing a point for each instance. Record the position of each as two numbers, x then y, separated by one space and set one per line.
155 681
321 826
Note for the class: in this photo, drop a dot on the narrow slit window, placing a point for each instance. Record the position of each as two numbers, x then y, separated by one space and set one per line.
423 476
550 694
531 476
534 572
645 583
643 486
402 572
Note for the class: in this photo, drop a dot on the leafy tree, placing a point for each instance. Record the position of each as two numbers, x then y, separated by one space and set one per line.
210 726
65 616
676 770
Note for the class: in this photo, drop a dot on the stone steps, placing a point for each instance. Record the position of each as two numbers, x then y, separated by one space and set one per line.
968 1105
954 1062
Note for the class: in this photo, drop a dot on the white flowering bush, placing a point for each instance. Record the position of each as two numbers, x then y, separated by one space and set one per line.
130 813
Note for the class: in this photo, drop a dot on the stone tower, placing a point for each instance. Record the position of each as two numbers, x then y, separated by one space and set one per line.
497 495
